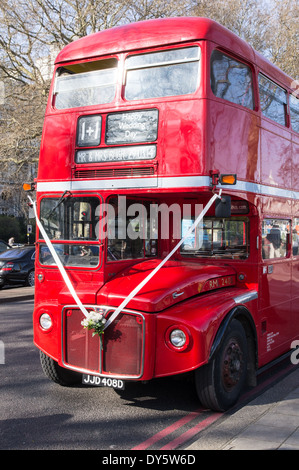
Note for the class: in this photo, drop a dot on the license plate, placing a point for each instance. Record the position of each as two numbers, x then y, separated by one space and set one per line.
103 381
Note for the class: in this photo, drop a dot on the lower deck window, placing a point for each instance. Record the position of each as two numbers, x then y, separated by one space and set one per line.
86 256
217 238
275 238
72 223
130 231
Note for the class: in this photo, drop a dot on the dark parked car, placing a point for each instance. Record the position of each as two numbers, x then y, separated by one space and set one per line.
4 246
17 266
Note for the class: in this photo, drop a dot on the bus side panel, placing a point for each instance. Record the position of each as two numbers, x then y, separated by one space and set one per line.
183 138
234 140
275 144
275 309
57 148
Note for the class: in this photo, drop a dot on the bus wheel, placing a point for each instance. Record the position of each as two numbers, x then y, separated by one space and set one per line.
58 374
220 382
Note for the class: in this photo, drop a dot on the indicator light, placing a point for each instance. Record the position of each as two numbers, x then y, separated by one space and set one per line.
228 179
29 186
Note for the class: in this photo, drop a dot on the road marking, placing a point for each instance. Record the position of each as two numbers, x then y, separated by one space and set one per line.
173 427
187 435
191 432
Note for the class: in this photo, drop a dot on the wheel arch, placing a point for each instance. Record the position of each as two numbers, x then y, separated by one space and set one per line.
242 314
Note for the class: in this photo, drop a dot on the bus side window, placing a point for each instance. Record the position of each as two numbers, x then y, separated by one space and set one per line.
273 100
294 112
231 80
276 235
295 237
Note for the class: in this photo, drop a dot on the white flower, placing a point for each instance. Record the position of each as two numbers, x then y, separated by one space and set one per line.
94 321
94 316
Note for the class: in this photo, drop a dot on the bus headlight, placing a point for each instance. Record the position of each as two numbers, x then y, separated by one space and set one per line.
178 338
45 321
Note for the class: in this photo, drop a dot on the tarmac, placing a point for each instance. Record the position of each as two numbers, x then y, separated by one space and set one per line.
12 293
270 421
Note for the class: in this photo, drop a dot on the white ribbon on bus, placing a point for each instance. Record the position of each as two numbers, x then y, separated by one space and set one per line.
140 285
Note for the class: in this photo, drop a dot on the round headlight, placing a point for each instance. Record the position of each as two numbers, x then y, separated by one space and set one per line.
45 321
178 338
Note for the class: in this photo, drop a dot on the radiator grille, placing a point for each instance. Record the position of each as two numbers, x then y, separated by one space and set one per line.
122 345
101 173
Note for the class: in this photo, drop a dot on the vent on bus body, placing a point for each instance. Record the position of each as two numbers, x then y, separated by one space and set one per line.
115 172
122 347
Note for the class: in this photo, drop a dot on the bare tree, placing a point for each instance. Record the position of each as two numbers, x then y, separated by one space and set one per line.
21 127
28 29
270 27
149 9
283 36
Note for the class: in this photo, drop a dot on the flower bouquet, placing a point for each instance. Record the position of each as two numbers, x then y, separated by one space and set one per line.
94 321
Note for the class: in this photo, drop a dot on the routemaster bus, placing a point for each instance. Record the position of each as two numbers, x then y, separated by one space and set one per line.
167 208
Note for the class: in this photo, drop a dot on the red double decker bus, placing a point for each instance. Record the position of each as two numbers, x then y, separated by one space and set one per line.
144 124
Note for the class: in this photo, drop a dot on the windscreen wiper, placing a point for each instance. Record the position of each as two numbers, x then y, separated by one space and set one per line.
60 200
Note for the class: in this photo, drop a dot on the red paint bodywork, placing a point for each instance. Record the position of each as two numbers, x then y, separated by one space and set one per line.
197 133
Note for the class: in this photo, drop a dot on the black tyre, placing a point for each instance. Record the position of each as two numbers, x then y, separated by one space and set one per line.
220 382
58 374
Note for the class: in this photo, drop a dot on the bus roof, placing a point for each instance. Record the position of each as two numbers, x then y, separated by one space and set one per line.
141 35
151 33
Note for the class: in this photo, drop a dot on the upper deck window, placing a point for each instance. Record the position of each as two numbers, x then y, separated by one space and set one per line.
166 73
231 80
87 84
273 100
294 111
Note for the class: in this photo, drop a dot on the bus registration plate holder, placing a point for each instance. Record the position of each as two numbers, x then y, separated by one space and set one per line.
97 381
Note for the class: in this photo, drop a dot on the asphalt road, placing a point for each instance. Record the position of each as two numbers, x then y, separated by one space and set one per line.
36 414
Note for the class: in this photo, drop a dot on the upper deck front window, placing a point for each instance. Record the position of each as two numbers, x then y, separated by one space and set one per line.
165 73
85 84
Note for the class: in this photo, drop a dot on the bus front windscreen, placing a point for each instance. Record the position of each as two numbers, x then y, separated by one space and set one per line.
72 223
